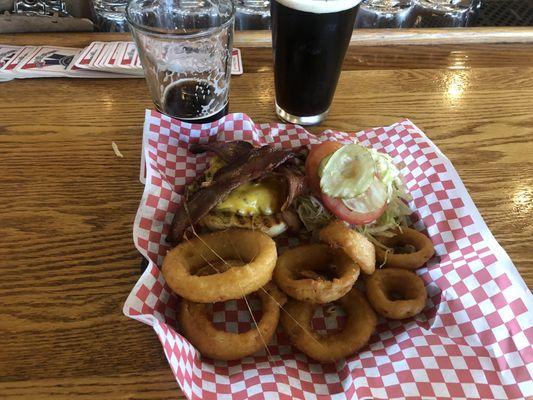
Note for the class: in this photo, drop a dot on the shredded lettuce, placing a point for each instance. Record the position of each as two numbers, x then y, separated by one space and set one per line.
397 212
312 212
387 172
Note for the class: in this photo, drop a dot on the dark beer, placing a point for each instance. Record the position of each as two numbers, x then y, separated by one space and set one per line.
309 47
189 100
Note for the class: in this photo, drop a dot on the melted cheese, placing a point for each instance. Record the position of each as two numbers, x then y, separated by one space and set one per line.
261 198
214 165
253 199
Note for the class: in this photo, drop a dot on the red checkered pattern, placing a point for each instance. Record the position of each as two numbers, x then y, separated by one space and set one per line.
473 340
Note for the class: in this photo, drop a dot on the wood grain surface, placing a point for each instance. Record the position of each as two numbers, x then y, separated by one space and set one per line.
360 37
433 36
67 203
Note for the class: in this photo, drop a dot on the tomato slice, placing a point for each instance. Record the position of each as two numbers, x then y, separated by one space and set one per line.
370 205
316 155
337 207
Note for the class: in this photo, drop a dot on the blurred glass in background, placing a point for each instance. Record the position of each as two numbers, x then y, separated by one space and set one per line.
252 14
415 13
444 13
40 7
109 15
385 14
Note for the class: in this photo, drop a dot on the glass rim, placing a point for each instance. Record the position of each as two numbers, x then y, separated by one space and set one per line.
201 33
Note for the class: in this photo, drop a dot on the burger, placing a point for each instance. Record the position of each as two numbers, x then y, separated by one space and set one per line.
255 205
244 187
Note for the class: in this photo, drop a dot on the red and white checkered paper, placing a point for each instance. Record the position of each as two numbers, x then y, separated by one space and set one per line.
473 340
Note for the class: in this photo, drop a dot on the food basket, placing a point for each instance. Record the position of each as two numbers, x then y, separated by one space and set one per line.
473 340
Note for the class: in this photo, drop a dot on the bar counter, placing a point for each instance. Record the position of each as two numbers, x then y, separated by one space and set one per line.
67 202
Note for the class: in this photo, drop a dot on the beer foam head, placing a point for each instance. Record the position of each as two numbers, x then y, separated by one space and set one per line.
319 6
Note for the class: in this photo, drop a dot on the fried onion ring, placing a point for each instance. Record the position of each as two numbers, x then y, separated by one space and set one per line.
256 249
198 327
360 323
396 293
299 263
217 267
354 244
405 240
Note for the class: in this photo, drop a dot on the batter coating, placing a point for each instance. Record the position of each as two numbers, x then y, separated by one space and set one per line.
354 244
360 323
396 293
291 266
255 248
198 327
410 250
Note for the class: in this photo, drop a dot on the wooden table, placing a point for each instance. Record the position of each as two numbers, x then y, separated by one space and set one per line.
67 203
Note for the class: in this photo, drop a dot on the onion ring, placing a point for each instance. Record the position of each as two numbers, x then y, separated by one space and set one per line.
217 267
198 327
422 245
360 323
396 293
302 261
354 244
255 248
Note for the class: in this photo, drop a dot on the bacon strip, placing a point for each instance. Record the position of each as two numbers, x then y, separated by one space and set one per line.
228 152
259 162
294 185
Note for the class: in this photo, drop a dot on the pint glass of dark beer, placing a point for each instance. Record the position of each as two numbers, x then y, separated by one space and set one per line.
309 39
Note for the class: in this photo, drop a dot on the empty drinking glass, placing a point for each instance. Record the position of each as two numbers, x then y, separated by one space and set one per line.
185 48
